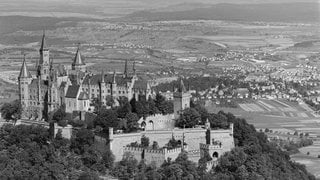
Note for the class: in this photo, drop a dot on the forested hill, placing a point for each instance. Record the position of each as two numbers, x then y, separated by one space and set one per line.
286 12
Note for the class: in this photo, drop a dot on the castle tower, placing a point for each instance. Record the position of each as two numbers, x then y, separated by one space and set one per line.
43 67
102 88
53 100
207 125
24 80
114 86
78 62
181 99
125 73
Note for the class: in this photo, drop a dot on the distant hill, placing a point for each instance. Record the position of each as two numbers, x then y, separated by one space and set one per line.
11 24
286 12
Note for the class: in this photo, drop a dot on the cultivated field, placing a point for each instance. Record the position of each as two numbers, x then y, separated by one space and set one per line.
279 115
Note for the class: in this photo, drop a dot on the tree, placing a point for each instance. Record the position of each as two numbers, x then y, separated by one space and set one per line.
109 101
11 111
142 108
28 152
83 139
152 107
145 141
132 122
124 109
189 118
155 145
108 158
88 176
203 112
97 104
126 168
60 114
106 118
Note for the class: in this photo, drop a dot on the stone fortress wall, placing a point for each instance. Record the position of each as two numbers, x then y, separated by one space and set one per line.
157 121
193 137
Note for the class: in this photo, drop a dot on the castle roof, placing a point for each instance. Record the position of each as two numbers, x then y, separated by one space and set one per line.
24 73
78 59
181 87
83 96
35 83
140 84
72 91
108 78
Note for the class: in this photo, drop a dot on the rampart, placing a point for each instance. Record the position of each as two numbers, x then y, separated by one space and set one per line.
157 122
157 156
192 137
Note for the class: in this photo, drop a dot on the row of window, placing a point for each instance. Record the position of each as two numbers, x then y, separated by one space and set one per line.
85 104
98 90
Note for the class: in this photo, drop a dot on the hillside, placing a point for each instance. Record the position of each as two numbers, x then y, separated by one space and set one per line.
286 12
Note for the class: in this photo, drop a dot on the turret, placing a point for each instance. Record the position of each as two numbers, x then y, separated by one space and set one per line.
207 125
134 67
125 73
181 99
102 88
78 61
114 85
24 80
44 62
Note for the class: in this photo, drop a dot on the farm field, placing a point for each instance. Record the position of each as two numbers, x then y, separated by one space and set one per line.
277 114
311 161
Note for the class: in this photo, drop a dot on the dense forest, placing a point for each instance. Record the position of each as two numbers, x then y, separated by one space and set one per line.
28 152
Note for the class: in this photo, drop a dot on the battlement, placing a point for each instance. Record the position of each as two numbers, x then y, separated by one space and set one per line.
155 151
165 151
133 149
208 146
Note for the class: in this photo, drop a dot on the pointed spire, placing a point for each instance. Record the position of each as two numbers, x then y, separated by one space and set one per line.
43 42
134 67
126 68
102 76
114 77
182 88
24 73
51 63
78 59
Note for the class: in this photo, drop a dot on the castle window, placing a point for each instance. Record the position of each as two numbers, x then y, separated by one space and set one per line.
108 90
69 104
84 104
119 92
92 95
74 104
92 90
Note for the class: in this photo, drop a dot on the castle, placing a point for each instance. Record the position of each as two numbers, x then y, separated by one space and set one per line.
161 128
52 86
76 88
